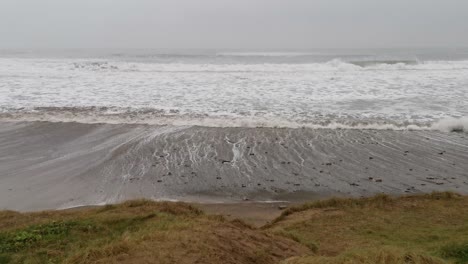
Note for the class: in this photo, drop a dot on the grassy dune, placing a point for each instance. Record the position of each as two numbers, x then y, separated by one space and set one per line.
415 229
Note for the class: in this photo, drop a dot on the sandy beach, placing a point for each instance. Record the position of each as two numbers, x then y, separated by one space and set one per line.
48 165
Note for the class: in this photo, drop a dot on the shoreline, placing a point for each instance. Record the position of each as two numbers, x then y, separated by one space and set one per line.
157 118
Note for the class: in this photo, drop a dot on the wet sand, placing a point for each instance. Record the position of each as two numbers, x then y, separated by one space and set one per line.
47 165
255 214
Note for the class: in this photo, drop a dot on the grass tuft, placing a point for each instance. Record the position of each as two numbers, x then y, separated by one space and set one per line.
377 201
458 252
375 256
296 236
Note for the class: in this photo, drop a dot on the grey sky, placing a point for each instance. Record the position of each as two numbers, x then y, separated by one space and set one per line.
232 23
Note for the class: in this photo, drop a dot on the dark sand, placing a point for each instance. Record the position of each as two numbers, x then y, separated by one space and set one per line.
256 214
47 165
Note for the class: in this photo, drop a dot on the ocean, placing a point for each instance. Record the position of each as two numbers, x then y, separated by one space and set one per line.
386 88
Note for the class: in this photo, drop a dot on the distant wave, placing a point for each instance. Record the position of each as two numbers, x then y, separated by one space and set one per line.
369 63
332 65
267 54
337 64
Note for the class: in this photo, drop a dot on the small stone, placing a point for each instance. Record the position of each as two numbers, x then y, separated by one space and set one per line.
354 184
371 158
282 207
378 180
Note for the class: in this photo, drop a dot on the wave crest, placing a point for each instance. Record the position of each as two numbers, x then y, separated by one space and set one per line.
173 117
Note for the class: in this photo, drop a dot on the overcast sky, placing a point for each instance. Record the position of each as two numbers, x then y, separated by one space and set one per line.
233 23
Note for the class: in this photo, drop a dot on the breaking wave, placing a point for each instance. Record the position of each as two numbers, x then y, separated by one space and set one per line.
163 117
259 89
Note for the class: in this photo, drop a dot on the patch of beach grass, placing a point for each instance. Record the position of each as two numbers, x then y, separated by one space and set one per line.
376 256
137 232
432 228
456 251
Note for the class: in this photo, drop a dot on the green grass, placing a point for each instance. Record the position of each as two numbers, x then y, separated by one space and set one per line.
459 252
57 233
53 237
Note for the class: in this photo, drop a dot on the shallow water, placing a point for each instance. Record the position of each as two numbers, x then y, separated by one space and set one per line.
59 165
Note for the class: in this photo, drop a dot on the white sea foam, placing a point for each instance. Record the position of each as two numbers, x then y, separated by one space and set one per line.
380 94
164 118
451 124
